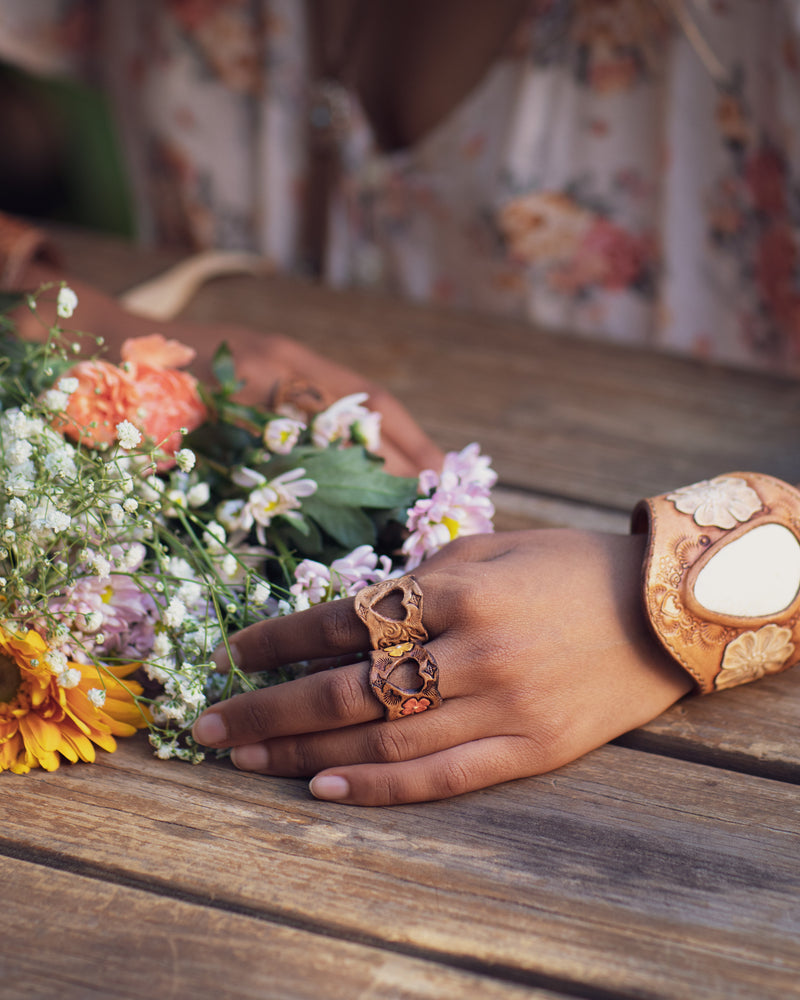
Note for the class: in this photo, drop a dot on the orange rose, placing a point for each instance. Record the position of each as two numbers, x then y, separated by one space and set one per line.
106 395
147 390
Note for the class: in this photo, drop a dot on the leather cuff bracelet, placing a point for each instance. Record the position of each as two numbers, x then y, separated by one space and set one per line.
722 576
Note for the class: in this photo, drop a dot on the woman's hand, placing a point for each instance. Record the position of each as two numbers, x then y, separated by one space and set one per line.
543 654
262 361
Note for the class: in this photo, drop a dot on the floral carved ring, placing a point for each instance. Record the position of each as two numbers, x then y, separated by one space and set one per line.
396 641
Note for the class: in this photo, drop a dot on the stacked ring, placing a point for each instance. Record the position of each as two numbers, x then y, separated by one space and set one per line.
396 641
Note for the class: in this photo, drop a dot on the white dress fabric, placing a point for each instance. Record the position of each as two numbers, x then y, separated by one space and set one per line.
613 174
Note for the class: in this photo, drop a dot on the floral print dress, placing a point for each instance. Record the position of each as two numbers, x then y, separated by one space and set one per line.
615 173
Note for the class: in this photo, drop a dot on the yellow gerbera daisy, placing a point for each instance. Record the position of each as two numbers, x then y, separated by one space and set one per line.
40 719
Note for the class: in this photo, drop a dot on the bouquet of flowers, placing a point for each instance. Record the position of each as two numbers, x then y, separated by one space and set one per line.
145 517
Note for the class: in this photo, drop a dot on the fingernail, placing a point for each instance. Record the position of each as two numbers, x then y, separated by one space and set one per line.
210 730
250 757
221 658
329 786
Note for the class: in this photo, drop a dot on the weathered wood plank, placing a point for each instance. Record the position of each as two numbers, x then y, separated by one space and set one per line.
561 416
754 728
631 874
78 938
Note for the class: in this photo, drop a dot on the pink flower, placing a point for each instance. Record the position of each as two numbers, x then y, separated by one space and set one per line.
360 568
608 256
116 610
347 419
766 176
313 580
458 504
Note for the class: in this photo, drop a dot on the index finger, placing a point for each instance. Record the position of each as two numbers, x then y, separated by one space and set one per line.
330 629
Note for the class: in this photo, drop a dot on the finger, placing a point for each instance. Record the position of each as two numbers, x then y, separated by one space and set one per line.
316 703
374 742
441 775
323 631
332 629
327 700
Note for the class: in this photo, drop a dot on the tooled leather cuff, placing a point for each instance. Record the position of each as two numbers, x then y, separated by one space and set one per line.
722 576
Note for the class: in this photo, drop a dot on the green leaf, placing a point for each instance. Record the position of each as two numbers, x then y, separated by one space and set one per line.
306 541
349 477
10 300
349 526
224 370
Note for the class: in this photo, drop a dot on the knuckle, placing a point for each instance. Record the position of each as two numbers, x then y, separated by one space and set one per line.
454 779
341 696
336 625
267 652
254 716
388 744
464 596
299 758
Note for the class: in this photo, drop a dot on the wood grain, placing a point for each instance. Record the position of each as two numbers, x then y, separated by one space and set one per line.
78 938
589 880
754 728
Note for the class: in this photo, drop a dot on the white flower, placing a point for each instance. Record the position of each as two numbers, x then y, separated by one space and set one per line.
261 592
56 660
54 400
93 621
128 435
214 537
722 502
66 302
176 501
301 602
336 423
230 566
185 459
280 497
281 434
162 645
198 495
174 613
18 452
96 696
130 505
68 385
754 654
229 514
367 430
99 564
69 678
46 518
134 557
190 593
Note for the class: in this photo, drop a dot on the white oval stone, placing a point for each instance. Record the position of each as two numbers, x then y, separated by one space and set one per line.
755 575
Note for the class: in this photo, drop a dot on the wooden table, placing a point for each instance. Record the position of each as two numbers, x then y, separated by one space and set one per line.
666 865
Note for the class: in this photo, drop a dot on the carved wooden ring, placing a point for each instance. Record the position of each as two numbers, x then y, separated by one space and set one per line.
395 641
